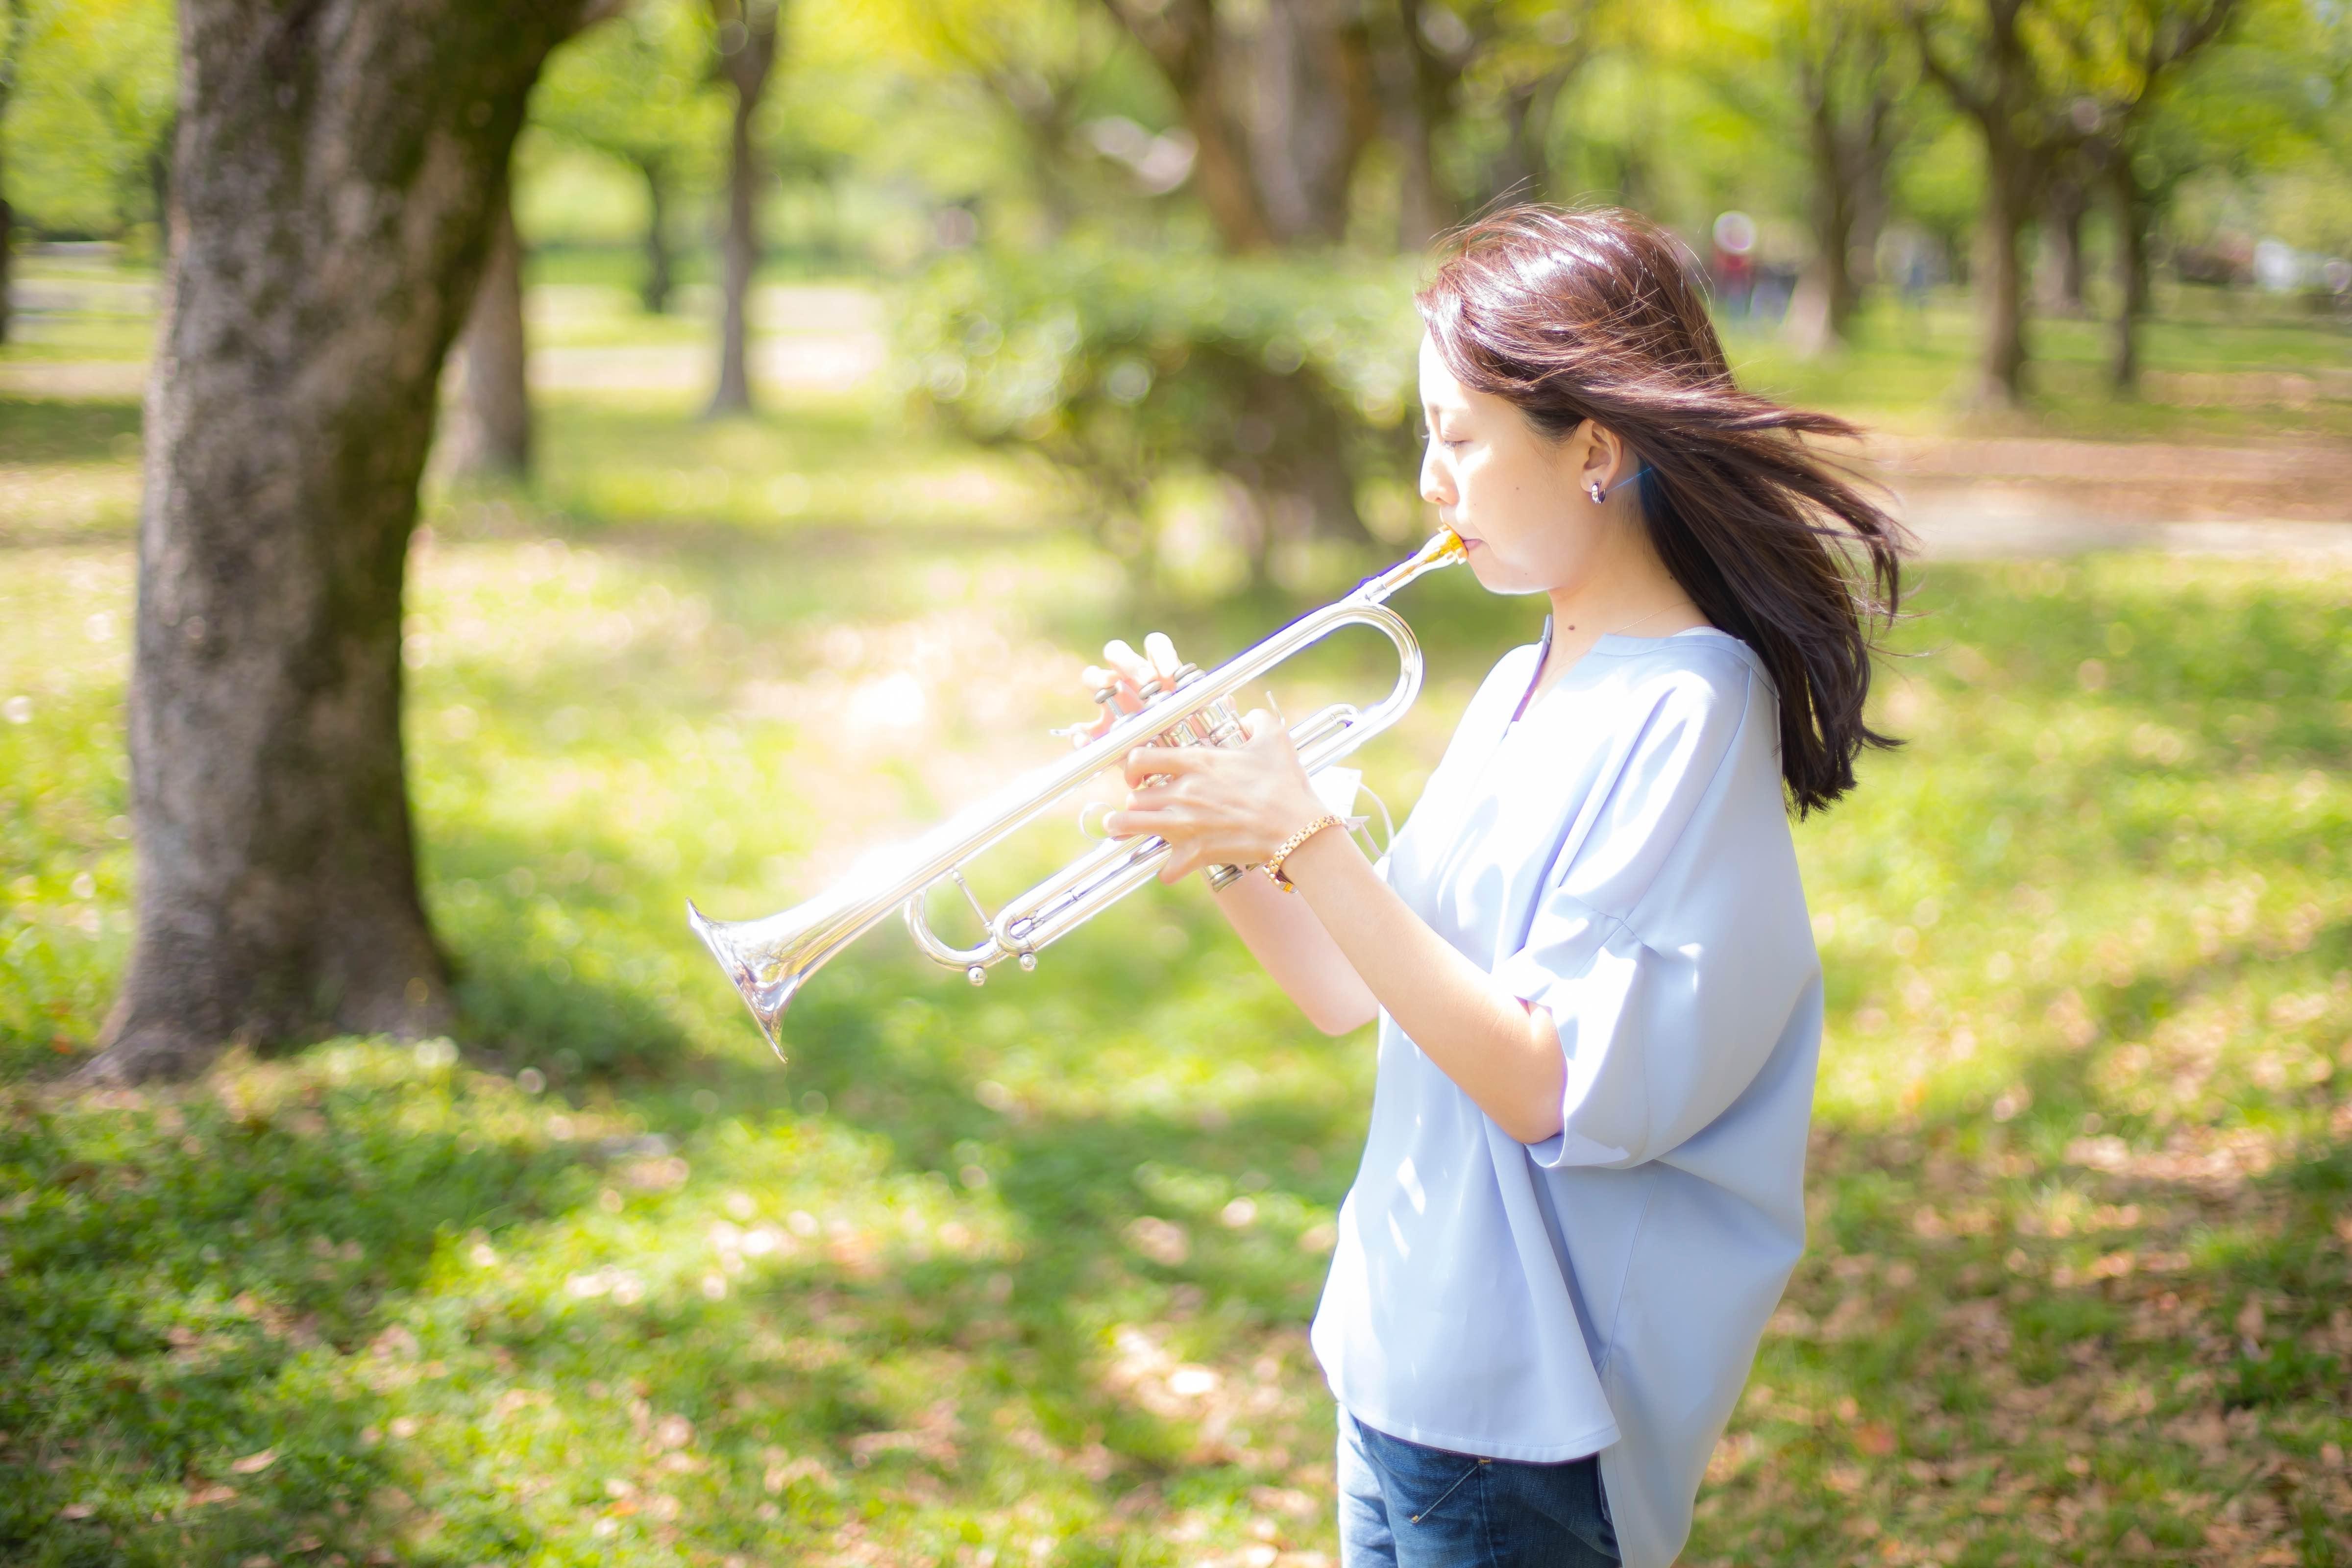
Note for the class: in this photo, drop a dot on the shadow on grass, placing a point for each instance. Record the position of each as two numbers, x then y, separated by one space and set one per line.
52 430
543 974
183 1270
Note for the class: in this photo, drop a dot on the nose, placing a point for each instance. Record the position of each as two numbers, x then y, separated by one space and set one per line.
1436 482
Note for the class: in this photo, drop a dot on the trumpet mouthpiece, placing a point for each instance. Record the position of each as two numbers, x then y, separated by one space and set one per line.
1444 548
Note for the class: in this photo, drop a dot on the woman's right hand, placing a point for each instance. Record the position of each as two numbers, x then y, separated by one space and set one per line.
1123 673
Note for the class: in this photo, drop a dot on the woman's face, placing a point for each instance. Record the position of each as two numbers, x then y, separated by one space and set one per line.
1516 497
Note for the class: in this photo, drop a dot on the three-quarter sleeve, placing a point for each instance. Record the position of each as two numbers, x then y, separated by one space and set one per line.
1657 945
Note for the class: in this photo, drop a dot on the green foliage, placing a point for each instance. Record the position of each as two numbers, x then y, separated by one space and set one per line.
2258 134
637 87
87 121
1128 368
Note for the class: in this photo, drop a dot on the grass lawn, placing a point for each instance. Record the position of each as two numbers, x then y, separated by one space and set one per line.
1020 1274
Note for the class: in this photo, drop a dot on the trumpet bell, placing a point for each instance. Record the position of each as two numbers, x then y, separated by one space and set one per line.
767 960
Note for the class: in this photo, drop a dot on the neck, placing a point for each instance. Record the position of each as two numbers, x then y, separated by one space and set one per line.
1641 599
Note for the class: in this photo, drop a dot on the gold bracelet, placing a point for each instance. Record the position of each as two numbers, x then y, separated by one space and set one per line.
1272 865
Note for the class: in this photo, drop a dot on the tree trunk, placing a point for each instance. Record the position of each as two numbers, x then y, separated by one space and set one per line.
9 54
1311 111
1993 81
1523 171
1422 210
2068 203
653 290
1223 179
337 166
1828 288
747 46
1280 101
1415 102
159 187
1841 72
1183 39
490 432
2000 277
2131 276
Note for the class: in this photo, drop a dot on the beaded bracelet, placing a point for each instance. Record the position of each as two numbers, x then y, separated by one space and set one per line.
1272 865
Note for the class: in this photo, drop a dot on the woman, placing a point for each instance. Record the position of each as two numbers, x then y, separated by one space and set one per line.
1588 949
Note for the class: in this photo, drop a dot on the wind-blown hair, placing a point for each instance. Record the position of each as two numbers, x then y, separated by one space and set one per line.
1598 314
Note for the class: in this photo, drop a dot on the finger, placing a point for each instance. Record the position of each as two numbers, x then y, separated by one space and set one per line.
1127 661
1093 679
1268 734
1184 858
1176 869
1162 654
1265 728
1130 670
1136 820
1177 762
1122 698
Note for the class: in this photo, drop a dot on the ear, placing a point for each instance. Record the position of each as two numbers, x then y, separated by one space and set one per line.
1600 456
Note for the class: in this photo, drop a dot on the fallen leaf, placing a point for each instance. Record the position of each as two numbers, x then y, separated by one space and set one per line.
76 1510
254 1464
205 1495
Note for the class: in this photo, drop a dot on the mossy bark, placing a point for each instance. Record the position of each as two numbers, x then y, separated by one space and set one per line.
336 167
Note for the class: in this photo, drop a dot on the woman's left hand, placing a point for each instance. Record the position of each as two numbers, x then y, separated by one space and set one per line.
1218 806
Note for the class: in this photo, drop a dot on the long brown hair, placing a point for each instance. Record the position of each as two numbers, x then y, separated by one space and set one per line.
1598 315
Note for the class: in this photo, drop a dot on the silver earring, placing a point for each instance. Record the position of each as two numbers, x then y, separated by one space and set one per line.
1595 491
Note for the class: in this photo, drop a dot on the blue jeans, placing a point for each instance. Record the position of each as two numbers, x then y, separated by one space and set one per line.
1405 1506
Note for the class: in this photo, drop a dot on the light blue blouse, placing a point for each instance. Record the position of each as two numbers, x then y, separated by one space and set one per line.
1621 855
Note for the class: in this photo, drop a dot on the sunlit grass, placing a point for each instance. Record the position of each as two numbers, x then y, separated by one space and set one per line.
1021 1273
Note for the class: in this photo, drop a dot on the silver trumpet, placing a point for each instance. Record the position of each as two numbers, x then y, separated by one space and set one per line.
770 958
